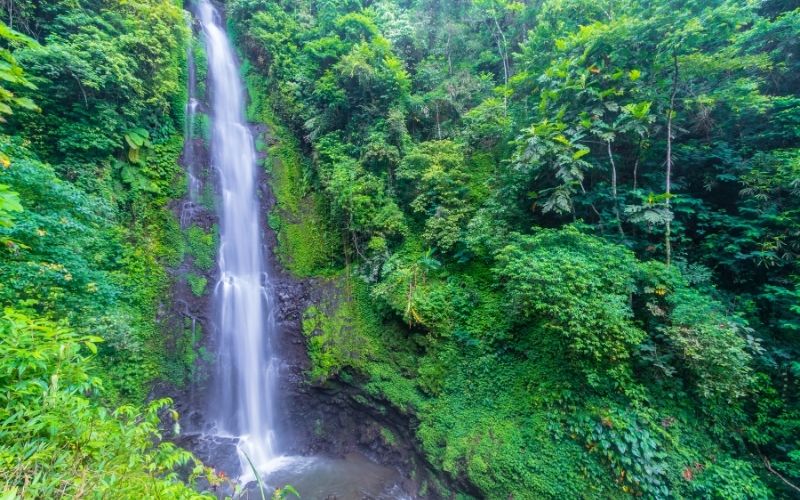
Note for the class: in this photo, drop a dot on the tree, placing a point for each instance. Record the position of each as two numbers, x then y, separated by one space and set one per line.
576 287
437 184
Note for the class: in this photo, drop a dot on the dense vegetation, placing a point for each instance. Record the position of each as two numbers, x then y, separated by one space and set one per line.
91 112
566 233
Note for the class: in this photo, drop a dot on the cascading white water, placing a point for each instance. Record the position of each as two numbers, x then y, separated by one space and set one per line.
189 206
188 157
242 402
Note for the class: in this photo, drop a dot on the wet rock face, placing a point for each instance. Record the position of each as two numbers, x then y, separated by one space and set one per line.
292 297
216 450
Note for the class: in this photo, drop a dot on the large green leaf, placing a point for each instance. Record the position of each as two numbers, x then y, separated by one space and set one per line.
9 202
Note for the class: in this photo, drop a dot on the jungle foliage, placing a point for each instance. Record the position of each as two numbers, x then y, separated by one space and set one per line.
566 234
567 231
92 95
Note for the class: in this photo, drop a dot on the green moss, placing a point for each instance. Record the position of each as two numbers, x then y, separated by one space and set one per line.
202 246
261 144
200 65
388 436
207 196
197 284
174 246
181 366
306 244
163 169
334 340
201 127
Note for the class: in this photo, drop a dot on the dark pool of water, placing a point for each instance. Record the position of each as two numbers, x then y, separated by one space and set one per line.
353 477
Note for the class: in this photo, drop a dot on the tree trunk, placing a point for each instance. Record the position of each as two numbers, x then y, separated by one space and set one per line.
668 181
502 48
636 166
614 189
438 124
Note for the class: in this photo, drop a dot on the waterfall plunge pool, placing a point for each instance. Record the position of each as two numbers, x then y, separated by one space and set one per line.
352 477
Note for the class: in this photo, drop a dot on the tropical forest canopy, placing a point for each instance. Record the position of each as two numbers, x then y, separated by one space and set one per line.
566 234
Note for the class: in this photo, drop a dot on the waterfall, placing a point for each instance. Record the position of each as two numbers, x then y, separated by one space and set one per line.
190 116
241 391
242 399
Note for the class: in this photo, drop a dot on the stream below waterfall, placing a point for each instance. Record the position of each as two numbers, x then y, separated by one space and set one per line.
240 430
